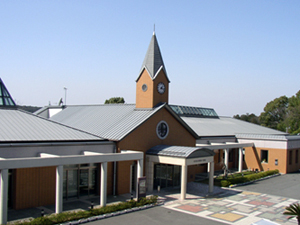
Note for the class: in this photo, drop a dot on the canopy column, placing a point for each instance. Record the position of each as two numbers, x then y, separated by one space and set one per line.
226 154
59 189
103 188
211 177
183 181
240 159
4 194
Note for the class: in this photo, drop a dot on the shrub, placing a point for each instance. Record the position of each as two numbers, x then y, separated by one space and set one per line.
247 178
69 216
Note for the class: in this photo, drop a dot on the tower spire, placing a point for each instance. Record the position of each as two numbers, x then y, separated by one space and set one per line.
153 61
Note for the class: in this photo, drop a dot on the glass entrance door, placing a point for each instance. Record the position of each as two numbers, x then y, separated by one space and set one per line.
80 180
166 176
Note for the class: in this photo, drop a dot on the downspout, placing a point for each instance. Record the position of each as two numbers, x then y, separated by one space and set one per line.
115 172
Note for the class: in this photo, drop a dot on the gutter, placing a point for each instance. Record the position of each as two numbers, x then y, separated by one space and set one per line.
55 143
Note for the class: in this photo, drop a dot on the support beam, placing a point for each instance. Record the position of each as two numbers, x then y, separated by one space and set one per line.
183 181
103 188
240 159
226 151
59 189
139 174
4 194
211 177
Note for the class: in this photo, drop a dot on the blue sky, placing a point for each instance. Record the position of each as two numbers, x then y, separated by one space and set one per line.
233 56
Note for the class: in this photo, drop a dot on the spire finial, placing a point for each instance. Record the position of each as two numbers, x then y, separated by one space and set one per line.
154 30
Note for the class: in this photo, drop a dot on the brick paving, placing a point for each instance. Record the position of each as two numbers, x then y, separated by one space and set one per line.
230 206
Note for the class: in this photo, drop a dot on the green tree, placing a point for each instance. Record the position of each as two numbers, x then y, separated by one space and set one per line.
293 210
275 113
293 119
114 100
252 118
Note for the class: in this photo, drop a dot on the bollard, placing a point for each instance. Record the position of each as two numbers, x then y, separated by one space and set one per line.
92 204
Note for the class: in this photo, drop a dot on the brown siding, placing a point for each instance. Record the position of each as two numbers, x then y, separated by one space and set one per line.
34 187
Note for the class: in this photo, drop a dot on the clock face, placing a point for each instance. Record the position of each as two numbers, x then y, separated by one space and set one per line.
161 88
144 87
162 129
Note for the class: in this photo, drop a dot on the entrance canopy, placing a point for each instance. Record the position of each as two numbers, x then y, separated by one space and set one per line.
180 151
182 156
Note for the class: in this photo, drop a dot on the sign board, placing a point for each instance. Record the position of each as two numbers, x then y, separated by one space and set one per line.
141 187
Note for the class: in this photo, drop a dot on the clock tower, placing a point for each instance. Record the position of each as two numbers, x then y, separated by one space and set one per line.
152 84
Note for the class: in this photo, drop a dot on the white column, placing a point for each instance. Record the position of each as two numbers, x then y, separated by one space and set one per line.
3 197
183 181
103 184
226 151
140 168
59 189
211 177
139 174
240 159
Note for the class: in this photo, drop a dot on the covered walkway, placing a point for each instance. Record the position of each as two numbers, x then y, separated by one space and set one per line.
59 161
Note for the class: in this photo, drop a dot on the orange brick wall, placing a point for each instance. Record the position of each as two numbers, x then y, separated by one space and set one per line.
253 159
151 97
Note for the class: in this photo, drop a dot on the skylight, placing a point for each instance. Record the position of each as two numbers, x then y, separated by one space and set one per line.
5 98
191 111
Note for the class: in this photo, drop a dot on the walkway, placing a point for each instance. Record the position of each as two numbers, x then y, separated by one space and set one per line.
231 206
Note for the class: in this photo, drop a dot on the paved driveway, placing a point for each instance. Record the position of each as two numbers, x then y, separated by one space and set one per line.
156 216
287 185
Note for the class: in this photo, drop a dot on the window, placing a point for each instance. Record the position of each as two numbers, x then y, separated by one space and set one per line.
290 157
230 155
219 156
297 156
264 156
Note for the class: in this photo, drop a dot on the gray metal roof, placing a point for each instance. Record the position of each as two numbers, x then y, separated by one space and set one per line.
111 121
180 151
282 137
20 126
153 61
226 126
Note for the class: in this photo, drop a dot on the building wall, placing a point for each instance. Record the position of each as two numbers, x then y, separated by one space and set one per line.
145 137
34 149
254 161
293 164
34 187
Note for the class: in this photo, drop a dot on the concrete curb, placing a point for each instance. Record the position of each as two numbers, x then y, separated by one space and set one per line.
108 215
250 182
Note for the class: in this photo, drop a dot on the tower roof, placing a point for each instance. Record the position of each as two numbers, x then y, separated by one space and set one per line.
5 98
153 61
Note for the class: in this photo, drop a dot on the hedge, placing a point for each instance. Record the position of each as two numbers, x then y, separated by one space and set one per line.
71 216
247 178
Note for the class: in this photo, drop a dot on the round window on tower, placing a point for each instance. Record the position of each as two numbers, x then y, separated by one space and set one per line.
144 87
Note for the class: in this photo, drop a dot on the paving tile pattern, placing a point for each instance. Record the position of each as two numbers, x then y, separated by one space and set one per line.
232 206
